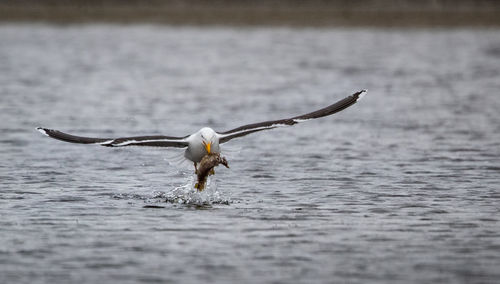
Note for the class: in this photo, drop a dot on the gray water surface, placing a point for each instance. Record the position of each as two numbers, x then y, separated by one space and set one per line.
400 188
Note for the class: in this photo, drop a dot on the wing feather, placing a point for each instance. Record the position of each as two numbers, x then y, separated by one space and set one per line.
155 141
255 127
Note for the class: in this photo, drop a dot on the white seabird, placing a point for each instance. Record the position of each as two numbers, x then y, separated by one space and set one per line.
206 140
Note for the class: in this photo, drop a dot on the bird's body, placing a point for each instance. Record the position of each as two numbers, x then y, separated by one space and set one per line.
206 140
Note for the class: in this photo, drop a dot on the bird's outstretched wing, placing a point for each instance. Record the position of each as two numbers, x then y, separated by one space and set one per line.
158 141
251 128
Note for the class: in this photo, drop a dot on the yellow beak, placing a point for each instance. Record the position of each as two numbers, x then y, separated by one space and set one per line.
207 146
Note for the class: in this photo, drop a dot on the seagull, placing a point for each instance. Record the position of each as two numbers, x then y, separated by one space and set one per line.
206 140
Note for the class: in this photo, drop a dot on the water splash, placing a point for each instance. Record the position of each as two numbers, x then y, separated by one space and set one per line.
187 194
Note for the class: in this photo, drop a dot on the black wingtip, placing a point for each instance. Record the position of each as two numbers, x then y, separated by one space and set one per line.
42 130
359 95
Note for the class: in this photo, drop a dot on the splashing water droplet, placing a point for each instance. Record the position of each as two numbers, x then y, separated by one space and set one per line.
188 194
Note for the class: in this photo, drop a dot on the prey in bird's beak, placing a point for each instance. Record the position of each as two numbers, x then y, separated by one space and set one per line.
207 146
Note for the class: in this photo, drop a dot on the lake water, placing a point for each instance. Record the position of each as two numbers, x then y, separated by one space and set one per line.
402 187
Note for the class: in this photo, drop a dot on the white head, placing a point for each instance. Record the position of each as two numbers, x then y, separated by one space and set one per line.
209 139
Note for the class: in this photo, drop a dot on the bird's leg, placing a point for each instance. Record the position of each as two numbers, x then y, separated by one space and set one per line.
212 172
195 168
